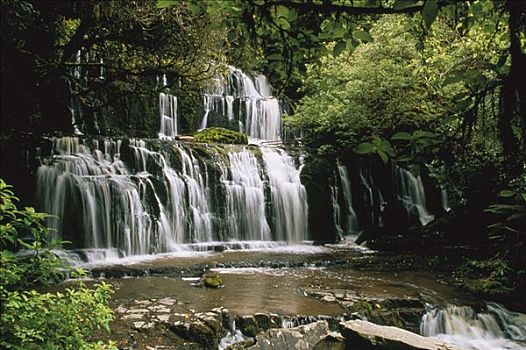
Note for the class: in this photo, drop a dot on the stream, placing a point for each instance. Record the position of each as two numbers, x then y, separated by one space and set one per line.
301 284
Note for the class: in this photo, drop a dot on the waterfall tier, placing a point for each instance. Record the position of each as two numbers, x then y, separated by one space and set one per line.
144 197
243 103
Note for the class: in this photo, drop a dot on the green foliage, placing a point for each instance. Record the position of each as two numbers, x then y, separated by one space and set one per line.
377 146
25 258
371 91
35 320
220 135
491 277
510 212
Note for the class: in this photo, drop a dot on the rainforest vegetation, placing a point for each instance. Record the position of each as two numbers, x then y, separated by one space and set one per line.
436 83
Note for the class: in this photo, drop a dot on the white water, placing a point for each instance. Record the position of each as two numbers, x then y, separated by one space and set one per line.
168 115
493 329
351 218
245 199
412 194
289 197
258 114
160 200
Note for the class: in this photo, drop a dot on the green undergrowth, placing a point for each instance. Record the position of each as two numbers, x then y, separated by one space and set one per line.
31 319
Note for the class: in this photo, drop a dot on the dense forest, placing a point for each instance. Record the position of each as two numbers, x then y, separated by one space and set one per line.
433 87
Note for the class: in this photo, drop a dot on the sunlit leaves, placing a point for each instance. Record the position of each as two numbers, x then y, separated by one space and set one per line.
165 3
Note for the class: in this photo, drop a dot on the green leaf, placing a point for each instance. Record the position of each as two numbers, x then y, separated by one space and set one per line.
506 194
275 57
364 148
194 8
429 12
402 4
161 4
402 135
421 134
283 22
363 36
383 156
339 47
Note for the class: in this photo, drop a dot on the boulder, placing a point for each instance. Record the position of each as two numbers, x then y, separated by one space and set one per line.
248 325
369 336
212 281
202 334
299 338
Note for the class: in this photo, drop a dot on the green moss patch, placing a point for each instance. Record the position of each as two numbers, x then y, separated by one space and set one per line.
220 135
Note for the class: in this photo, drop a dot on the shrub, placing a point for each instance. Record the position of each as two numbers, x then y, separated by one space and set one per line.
35 320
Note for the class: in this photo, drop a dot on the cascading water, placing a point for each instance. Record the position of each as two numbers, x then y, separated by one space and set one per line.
245 197
493 329
352 226
289 197
258 113
160 199
412 194
167 111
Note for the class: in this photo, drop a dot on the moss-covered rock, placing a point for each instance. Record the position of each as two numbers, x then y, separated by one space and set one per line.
212 281
220 135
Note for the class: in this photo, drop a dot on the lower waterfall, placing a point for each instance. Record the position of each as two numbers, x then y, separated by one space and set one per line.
136 197
493 329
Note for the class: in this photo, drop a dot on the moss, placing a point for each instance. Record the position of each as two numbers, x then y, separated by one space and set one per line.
212 281
220 135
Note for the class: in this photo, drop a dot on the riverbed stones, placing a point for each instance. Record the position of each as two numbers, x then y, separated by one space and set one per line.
299 338
365 335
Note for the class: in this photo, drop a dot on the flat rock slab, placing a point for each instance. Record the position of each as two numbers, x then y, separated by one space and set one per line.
366 335
297 338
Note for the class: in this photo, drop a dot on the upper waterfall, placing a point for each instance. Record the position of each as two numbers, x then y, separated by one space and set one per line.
247 100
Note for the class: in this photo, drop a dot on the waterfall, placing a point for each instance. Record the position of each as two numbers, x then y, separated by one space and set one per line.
352 220
289 197
168 115
161 195
336 211
412 194
258 113
495 328
445 198
245 197
167 110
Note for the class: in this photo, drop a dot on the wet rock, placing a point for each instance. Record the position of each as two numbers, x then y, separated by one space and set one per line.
369 336
129 317
181 329
212 281
265 321
328 298
242 345
202 334
300 338
163 318
215 325
333 341
141 325
219 248
247 325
